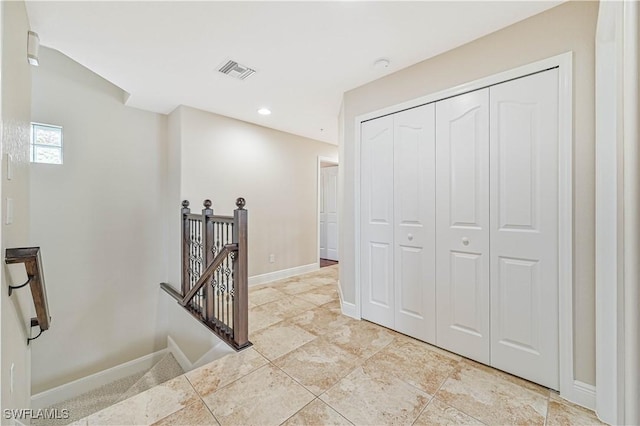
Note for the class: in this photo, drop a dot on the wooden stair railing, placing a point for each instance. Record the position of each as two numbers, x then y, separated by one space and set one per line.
214 286
207 274
30 256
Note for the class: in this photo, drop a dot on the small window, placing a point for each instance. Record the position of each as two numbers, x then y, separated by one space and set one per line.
46 144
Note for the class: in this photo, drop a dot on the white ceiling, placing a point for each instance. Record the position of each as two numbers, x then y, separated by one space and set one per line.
307 54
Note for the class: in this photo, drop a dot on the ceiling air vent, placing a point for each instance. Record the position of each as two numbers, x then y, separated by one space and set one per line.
236 70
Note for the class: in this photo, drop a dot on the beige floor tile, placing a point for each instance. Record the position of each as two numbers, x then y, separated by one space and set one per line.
317 413
439 413
330 271
320 321
364 374
494 397
265 397
148 407
403 338
334 305
322 280
330 289
295 287
211 377
257 287
279 339
563 413
265 295
287 307
261 317
361 338
375 398
318 365
286 281
194 415
325 277
318 296
415 363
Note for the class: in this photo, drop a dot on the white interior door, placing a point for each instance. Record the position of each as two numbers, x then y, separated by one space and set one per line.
462 224
330 199
524 227
414 218
376 221
323 215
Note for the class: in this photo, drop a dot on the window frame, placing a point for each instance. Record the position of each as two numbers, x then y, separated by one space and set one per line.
33 144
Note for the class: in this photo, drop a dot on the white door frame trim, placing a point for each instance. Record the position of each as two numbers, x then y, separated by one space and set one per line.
569 388
617 204
334 161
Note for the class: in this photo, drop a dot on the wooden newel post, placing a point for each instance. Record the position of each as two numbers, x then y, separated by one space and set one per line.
240 277
208 254
186 246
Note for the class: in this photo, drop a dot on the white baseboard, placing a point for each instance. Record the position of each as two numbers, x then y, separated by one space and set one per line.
348 309
94 381
582 394
177 353
216 352
282 274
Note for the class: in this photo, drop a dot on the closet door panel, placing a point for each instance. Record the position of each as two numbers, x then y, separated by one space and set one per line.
377 268
414 212
524 227
462 224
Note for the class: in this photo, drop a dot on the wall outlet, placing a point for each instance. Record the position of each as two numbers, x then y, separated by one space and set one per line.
272 258
12 377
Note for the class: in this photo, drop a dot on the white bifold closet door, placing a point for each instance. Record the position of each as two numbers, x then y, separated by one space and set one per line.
459 224
376 222
398 217
524 227
462 224
414 219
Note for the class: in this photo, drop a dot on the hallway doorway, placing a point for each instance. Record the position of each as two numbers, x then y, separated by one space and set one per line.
327 212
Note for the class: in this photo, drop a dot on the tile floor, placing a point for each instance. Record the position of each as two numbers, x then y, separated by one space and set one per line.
311 365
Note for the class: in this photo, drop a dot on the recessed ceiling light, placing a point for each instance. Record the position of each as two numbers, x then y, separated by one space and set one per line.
264 111
381 63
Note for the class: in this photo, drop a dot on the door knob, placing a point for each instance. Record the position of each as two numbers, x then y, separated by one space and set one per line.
410 237
465 241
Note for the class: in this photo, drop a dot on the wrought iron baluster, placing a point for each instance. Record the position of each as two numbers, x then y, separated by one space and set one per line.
229 300
192 264
233 288
219 316
226 263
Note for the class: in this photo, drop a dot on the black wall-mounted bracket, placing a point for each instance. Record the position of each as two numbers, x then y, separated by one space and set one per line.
34 323
15 287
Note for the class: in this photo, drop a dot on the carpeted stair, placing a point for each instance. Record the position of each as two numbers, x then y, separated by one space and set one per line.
105 396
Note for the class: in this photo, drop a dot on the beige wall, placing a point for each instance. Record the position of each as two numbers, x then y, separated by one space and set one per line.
101 221
17 309
115 203
276 172
568 27
173 200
